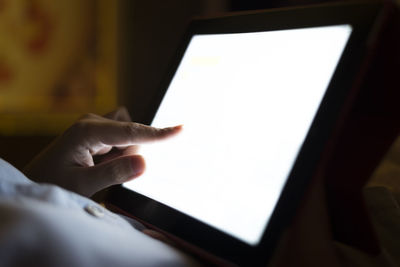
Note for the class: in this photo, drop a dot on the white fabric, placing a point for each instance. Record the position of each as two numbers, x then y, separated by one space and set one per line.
45 225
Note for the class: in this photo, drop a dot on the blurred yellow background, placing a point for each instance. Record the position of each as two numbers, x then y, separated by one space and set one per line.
57 61
60 59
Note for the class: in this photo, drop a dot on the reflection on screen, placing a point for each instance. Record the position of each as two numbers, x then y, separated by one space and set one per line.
246 102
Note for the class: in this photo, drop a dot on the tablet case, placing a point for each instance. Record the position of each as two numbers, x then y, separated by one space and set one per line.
370 120
370 123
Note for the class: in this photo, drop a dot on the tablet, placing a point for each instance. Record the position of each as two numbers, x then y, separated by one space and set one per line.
258 95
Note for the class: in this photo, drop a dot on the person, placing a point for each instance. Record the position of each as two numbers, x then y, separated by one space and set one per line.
47 218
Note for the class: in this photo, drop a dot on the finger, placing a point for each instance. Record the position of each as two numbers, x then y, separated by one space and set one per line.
103 150
111 155
131 150
115 153
116 171
130 133
120 114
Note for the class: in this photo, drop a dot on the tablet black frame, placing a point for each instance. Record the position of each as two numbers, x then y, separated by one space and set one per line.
361 16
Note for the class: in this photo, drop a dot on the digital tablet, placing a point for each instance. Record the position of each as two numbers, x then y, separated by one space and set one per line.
258 95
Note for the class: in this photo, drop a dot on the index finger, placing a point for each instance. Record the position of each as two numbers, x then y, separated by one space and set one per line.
119 114
116 133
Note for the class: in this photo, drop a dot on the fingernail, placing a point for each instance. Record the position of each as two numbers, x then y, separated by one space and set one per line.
177 128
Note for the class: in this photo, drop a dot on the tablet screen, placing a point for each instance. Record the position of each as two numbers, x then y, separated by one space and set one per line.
246 102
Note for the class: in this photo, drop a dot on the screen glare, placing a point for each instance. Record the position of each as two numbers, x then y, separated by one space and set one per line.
246 102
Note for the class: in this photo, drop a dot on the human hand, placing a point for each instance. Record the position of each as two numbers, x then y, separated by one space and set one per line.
70 161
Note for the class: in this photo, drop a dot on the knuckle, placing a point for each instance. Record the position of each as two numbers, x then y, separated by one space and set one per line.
84 125
122 109
80 126
87 116
130 129
84 121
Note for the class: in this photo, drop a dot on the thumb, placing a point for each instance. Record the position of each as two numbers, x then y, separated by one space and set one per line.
116 171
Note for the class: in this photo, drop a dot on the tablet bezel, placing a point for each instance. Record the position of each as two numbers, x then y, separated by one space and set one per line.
361 16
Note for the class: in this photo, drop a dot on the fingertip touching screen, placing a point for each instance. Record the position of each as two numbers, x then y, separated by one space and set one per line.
246 102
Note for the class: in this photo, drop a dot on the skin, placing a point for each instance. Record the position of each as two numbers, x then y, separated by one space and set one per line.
96 152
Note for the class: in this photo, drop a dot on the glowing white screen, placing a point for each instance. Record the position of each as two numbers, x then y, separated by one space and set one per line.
246 101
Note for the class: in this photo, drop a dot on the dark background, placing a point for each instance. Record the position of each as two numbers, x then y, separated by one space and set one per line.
149 33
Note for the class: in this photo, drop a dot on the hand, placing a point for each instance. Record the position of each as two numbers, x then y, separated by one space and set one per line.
70 161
